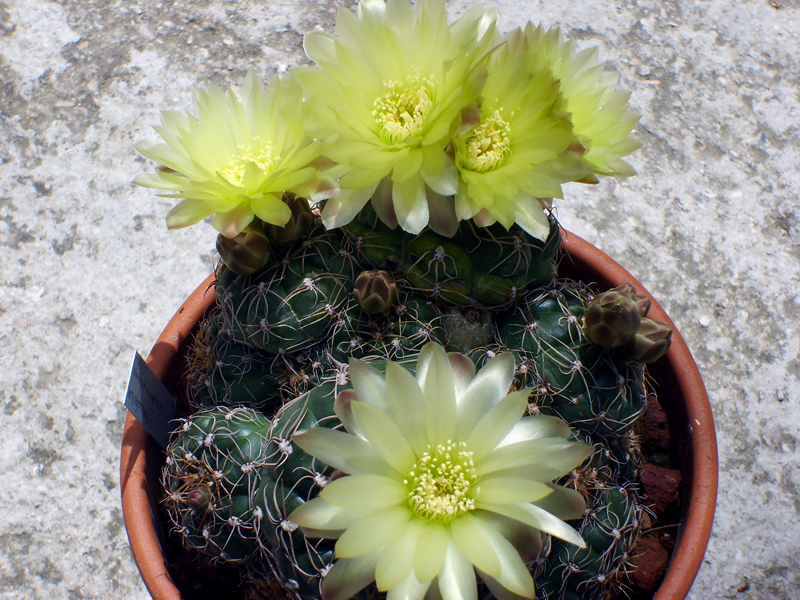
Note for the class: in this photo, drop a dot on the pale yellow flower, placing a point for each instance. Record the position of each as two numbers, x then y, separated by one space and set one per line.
520 150
598 110
237 157
446 478
391 89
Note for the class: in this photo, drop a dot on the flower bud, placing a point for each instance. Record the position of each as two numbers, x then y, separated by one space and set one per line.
299 224
651 342
245 253
375 291
198 499
612 318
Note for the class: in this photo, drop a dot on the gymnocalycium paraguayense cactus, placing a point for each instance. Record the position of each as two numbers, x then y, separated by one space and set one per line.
384 206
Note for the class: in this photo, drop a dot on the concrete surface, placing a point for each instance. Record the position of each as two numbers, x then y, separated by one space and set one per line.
90 273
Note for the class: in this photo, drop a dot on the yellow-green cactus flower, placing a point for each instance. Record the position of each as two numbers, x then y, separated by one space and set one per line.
446 477
391 88
520 150
598 111
237 157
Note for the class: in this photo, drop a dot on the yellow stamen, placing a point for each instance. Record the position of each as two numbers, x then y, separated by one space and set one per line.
489 143
440 483
236 167
400 112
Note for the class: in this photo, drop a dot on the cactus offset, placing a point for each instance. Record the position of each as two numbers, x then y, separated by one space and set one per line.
213 469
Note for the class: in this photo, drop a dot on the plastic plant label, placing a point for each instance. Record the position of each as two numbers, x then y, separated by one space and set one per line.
150 401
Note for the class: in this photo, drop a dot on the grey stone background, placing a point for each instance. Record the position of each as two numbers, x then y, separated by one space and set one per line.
89 272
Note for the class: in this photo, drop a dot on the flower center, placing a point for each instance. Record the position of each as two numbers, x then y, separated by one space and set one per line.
235 169
440 481
489 143
401 111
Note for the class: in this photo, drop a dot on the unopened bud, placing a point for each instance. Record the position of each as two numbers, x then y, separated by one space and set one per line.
245 253
299 224
611 319
198 499
651 342
375 291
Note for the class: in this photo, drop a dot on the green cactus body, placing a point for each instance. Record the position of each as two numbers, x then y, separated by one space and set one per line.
397 334
485 267
212 471
224 372
575 379
610 528
282 338
284 308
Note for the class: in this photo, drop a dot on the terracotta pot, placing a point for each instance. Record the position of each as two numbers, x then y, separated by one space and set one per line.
681 390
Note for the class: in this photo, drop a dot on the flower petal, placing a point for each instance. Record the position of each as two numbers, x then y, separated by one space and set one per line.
408 589
490 385
534 427
473 543
565 503
407 167
438 171
430 552
343 407
320 47
463 372
348 576
510 490
410 203
341 450
407 404
369 384
364 491
342 209
497 423
384 435
498 590
526 539
514 574
231 223
188 212
442 218
372 531
531 217
396 562
271 209
435 378
533 458
457 576
320 514
534 516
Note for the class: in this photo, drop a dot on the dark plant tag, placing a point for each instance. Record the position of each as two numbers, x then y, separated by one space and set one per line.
150 401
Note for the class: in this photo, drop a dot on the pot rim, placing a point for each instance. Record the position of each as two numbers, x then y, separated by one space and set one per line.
699 466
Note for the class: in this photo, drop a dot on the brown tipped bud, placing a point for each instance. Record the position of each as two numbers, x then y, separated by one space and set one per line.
299 224
644 305
198 499
643 302
651 342
375 291
611 319
246 253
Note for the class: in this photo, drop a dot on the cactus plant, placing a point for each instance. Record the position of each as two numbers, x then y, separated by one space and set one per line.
323 304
